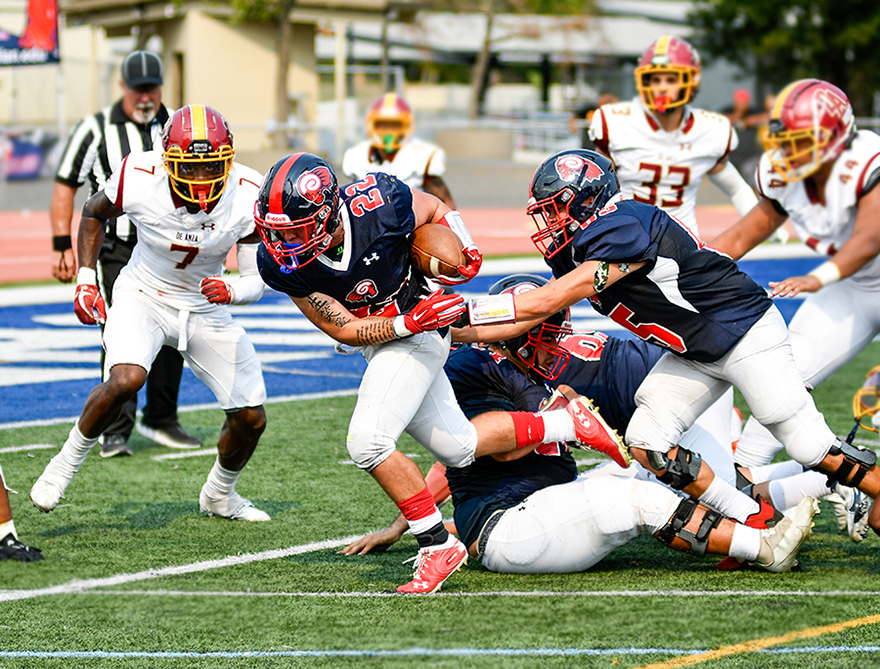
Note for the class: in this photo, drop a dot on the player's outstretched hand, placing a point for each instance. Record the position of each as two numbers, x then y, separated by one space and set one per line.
216 290
376 542
12 549
88 305
435 311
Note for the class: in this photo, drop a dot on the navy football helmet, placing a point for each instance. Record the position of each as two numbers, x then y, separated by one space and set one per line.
297 209
523 350
566 190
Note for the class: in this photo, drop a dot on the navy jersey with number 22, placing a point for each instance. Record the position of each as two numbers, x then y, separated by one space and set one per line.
373 273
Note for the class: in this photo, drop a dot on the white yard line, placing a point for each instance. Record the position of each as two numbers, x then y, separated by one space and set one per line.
78 586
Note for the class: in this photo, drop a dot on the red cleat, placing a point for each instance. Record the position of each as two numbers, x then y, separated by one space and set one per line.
593 433
433 566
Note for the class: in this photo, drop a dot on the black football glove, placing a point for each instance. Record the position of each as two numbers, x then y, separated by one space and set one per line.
12 549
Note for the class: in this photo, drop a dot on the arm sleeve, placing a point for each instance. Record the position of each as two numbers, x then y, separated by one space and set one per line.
599 131
249 286
735 187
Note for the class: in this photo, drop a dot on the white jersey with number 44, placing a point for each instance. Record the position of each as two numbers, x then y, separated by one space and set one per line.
658 167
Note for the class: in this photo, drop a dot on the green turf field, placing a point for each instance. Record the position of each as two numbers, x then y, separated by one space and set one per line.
135 577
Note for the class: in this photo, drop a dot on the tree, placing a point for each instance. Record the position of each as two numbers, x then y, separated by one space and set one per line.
834 40
490 8
276 13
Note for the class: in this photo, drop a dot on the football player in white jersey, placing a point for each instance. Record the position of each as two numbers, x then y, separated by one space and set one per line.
821 173
191 204
392 149
660 145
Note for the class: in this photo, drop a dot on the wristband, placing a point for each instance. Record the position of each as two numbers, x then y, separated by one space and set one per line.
492 309
452 220
61 243
400 329
826 273
87 275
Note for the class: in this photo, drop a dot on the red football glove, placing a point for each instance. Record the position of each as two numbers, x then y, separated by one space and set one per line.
88 305
473 261
435 311
216 290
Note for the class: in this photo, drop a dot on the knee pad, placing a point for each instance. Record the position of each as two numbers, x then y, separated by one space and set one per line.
698 542
368 451
854 458
680 472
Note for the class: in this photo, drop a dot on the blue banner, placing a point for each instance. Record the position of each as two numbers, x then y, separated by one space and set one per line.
38 44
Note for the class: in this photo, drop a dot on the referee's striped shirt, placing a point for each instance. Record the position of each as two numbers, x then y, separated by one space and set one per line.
97 146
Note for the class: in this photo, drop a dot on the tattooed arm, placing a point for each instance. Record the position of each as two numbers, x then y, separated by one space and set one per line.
335 320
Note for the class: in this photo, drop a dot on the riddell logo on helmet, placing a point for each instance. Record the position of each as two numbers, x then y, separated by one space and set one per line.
315 184
201 146
277 218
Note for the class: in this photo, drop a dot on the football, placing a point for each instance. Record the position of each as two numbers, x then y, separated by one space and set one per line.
436 251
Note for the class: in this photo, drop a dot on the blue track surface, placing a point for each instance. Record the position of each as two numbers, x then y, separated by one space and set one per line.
49 362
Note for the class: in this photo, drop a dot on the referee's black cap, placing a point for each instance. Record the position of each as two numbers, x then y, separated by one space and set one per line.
142 68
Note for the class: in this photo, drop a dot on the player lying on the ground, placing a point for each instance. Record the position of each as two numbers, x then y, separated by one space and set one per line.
10 547
344 258
639 266
531 513
191 204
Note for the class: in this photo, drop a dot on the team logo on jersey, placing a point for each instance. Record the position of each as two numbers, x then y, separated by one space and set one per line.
570 167
363 291
315 185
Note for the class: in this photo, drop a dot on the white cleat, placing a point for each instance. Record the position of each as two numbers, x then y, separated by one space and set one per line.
234 507
49 488
780 544
838 502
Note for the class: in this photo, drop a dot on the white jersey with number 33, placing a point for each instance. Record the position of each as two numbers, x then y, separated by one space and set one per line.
658 167
177 249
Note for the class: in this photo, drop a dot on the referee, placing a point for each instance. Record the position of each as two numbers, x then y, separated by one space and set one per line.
95 149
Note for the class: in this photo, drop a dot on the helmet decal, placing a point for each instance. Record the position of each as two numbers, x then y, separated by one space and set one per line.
315 185
569 166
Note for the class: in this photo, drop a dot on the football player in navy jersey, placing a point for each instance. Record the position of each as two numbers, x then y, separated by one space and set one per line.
643 269
344 260
529 512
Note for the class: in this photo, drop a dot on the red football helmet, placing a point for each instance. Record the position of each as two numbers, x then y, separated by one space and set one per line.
668 54
198 153
297 209
523 350
566 190
389 122
810 124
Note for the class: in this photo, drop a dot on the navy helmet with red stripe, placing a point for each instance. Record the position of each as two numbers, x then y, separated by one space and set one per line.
297 209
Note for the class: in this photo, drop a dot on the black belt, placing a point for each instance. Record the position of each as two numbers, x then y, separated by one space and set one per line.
487 530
